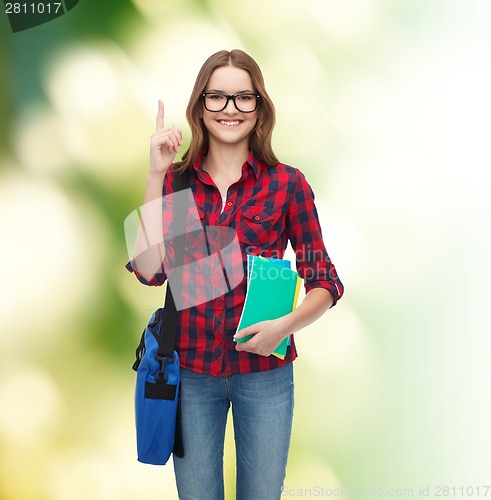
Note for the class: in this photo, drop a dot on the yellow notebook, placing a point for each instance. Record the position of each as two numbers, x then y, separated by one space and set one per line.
272 292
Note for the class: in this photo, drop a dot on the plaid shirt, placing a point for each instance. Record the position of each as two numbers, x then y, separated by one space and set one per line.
266 207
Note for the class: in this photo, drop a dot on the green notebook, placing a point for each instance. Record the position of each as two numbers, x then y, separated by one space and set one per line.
272 292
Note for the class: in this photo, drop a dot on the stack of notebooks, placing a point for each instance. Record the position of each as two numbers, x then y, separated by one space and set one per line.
272 292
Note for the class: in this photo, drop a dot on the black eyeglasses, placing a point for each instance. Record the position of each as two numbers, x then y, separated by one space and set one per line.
217 101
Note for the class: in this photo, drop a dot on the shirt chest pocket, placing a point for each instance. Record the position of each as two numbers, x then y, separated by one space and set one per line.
255 225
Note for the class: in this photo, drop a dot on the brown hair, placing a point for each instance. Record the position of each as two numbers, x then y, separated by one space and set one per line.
260 138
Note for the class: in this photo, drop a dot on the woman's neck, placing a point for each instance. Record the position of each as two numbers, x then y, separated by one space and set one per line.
225 161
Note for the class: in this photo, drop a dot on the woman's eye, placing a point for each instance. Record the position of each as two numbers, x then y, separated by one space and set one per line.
245 97
217 97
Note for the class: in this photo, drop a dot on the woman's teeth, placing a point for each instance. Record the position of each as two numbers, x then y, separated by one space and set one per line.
229 123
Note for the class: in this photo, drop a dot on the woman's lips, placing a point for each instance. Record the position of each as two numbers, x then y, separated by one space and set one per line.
230 123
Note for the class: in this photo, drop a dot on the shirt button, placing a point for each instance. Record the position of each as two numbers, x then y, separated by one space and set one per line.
219 312
229 203
257 217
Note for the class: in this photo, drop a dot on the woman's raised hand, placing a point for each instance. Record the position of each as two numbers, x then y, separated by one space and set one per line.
164 145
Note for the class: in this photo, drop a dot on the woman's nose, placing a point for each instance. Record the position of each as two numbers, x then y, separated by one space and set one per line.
230 107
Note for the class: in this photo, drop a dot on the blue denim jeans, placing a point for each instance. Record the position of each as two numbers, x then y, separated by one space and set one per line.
262 410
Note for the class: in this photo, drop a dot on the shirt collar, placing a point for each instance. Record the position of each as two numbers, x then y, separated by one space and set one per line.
255 163
252 161
199 159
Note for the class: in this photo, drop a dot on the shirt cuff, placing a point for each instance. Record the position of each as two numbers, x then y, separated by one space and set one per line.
332 288
157 279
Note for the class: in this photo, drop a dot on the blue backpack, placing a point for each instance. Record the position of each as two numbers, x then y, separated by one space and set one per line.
157 391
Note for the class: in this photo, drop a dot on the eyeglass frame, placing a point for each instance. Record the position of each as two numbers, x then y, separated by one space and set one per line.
231 97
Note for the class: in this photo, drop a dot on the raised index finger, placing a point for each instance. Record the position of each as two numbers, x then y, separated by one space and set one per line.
160 116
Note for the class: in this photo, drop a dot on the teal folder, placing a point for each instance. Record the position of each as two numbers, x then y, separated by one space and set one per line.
272 292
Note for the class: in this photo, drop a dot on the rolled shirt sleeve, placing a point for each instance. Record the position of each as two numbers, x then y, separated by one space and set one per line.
304 232
157 279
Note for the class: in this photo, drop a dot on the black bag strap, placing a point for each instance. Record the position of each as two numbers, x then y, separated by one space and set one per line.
167 334
168 327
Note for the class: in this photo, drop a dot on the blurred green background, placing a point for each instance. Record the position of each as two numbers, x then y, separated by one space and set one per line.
384 105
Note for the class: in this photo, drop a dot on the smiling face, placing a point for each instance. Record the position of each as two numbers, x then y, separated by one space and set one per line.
229 126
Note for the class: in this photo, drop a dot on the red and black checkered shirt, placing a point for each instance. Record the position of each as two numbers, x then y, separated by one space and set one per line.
267 207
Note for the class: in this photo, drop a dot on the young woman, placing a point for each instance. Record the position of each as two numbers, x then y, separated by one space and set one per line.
237 182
